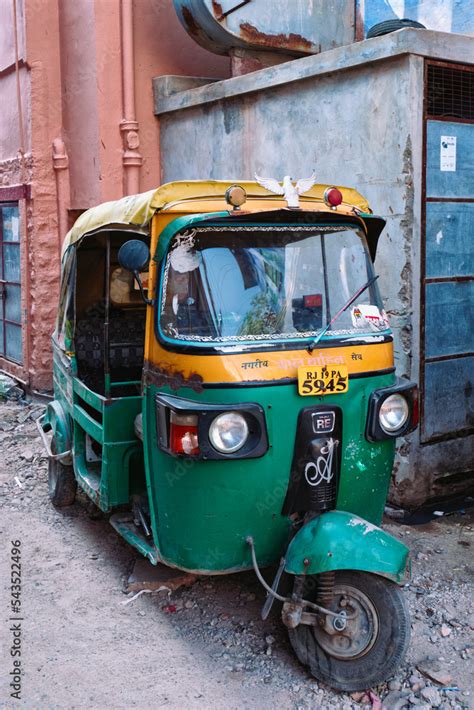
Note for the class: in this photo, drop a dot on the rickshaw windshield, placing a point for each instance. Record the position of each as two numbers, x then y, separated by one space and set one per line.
227 284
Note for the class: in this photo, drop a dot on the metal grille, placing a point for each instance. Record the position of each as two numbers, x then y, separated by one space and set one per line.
450 92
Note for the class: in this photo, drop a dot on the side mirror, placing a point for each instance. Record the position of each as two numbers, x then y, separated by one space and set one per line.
134 255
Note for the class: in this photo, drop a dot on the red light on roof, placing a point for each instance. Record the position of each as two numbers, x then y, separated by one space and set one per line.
332 197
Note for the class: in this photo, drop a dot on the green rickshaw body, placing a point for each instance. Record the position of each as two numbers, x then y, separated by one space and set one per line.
231 320
225 387
205 510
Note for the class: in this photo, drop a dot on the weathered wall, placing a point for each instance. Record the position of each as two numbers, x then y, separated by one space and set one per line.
41 288
79 100
353 131
355 116
10 128
163 47
70 65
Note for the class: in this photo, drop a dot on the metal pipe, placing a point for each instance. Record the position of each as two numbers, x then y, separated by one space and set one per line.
18 92
61 169
55 457
131 158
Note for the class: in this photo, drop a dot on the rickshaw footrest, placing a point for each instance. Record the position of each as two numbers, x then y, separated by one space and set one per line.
124 525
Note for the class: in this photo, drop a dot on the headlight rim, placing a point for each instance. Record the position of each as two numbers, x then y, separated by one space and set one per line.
393 430
234 449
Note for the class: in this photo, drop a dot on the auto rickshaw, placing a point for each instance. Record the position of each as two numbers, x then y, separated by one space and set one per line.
224 385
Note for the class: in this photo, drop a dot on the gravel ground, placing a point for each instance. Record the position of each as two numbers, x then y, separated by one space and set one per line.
204 646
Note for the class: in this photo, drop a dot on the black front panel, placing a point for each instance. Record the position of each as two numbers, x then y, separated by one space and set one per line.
316 461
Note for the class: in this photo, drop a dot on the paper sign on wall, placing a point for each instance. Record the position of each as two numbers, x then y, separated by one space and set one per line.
448 154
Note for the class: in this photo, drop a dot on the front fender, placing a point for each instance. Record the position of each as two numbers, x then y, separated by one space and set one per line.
58 421
338 540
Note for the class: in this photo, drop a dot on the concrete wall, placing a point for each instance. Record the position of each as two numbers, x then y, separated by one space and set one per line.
355 116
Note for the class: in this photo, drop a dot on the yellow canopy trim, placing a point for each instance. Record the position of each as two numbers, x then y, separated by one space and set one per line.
138 210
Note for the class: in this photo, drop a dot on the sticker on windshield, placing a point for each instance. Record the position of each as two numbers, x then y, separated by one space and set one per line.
183 256
364 315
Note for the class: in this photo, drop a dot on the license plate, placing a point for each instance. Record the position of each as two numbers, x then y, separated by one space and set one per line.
330 379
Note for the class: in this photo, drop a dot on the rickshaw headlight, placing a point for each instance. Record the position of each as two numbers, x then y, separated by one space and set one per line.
394 413
228 432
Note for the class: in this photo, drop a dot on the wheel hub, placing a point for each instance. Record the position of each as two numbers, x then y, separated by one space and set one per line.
354 631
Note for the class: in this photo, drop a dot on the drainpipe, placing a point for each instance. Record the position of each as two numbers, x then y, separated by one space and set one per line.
61 171
131 157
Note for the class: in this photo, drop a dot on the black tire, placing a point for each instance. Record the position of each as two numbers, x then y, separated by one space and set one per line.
384 28
62 484
379 648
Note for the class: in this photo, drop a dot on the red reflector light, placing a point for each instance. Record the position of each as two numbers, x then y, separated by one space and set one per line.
332 196
314 300
184 434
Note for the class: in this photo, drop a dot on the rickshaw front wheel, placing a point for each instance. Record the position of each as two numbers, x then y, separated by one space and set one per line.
62 484
373 642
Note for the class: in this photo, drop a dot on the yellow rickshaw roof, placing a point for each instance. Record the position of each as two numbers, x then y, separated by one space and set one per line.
138 210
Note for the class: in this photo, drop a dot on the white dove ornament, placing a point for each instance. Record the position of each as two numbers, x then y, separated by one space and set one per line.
290 191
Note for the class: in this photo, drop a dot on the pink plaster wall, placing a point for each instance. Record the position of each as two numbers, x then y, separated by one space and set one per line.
162 46
109 93
79 100
42 42
7 40
10 130
71 82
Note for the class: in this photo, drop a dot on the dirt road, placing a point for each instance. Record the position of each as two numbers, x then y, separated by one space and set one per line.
205 647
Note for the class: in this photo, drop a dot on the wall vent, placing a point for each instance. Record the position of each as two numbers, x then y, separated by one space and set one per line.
450 92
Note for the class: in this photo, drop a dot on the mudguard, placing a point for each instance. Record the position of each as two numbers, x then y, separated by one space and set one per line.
338 540
58 421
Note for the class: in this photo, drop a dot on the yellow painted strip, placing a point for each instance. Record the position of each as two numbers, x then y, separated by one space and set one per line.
262 366
138 210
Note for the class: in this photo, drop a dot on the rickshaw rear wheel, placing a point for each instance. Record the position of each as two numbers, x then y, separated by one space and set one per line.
374 642
62 484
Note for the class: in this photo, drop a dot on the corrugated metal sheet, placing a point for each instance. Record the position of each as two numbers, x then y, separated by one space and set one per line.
449 274
449 239
450 183
449 318
448 398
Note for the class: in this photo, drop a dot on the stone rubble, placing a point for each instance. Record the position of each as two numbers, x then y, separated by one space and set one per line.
221 615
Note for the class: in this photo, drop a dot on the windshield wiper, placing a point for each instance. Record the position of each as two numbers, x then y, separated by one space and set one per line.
358 293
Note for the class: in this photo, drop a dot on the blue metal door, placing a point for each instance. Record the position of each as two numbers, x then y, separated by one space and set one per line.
448 284
10 285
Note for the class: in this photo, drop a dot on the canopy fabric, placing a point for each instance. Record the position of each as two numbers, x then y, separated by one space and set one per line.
138 210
